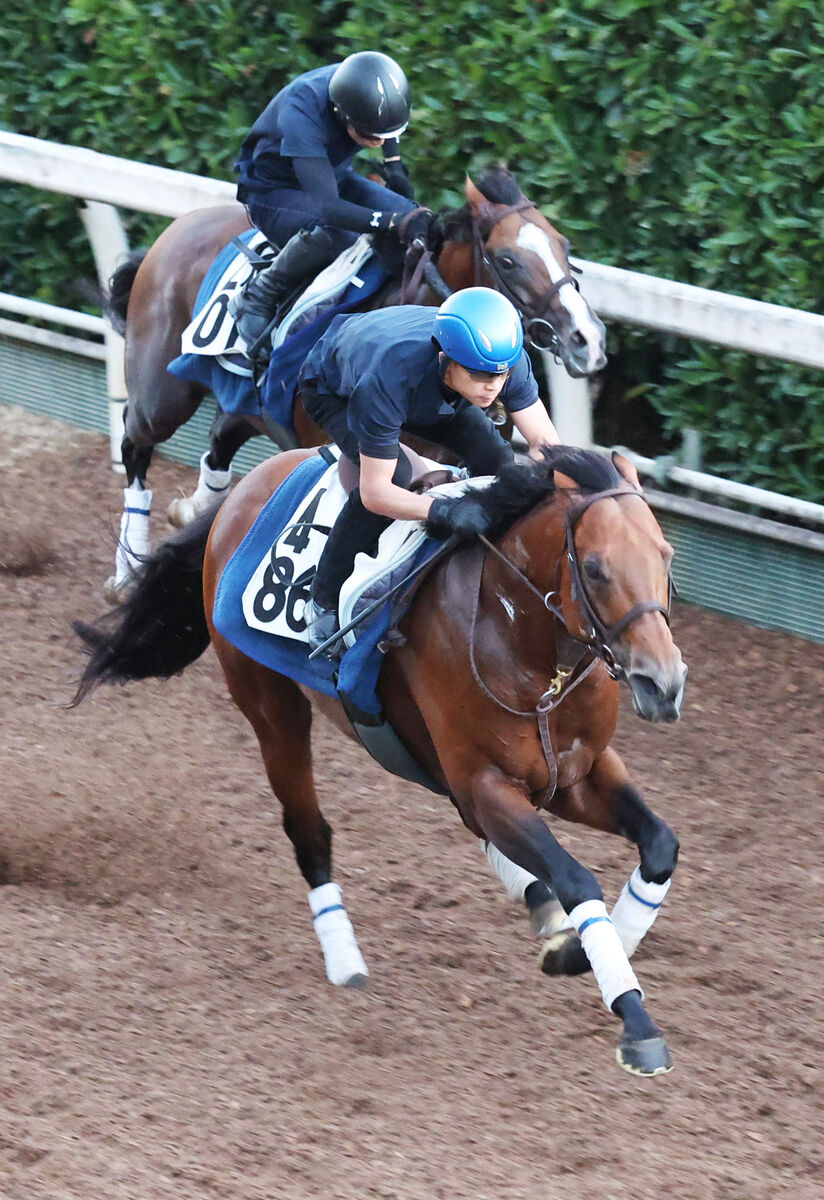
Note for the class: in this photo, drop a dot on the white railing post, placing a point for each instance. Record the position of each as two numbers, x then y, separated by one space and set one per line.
570 403
110 247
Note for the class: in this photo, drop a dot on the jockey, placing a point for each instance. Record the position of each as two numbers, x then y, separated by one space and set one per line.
432 372
295 175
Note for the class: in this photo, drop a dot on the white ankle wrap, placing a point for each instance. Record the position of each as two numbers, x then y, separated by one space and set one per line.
135 538
211 483
636 909
600 940
514 878
341 952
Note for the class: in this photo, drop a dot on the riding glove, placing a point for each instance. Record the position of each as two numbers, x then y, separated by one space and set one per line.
415 224
463 515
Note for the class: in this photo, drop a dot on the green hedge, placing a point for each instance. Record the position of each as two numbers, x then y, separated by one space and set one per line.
684 140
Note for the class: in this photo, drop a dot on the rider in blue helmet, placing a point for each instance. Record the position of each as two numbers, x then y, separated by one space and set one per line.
296 179
431 372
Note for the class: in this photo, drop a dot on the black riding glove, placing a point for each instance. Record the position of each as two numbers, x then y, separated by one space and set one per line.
464 515
395 175
415 224
398 181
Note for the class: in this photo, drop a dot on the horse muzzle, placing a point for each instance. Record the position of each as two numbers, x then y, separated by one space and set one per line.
658 696
582 351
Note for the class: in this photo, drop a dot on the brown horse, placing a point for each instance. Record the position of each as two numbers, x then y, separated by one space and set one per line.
504 691
499 238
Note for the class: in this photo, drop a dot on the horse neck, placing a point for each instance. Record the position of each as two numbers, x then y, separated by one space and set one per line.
456 265
525 628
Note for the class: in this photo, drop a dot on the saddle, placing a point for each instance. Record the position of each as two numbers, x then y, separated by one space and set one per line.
423 477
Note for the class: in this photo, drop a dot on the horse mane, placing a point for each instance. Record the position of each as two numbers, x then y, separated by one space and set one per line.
520 487
499 186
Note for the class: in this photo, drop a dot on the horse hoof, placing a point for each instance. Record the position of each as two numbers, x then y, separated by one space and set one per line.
547 918
116 593
647 1057
356 981
563 954
181 512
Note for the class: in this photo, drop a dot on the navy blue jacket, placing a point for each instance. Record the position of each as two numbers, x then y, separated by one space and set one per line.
384 366
297 123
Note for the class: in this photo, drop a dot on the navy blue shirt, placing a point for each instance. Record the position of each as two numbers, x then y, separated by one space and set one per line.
384 366
297 123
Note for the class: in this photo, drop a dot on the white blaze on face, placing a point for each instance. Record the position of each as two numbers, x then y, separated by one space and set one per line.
533 238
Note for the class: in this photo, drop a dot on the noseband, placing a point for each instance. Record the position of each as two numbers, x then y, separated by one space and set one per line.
482 226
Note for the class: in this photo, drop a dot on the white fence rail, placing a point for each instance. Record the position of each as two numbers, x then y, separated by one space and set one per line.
104 181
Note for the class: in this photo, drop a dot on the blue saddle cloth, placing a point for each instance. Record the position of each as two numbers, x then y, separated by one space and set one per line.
356 677
236 393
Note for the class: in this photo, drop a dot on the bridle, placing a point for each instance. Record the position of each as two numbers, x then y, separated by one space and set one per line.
483 223
595 647
602 636
420 264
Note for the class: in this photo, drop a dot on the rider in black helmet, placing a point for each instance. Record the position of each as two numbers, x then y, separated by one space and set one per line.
296 179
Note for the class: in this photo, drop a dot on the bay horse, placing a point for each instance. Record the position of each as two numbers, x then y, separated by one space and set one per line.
498 238
504 687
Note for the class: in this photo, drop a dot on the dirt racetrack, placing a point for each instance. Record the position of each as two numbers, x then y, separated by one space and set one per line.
167 1028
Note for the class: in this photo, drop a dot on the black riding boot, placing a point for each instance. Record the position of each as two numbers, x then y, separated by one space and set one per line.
305 254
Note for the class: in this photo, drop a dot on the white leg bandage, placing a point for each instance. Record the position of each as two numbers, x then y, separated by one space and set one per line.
550 918
211 486
514 878
135 539
636 909
600 940
341 952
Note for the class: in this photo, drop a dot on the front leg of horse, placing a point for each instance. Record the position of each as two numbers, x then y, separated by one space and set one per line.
606 800
510 822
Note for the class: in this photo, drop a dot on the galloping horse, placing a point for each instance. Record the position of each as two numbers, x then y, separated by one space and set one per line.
498 238
504 689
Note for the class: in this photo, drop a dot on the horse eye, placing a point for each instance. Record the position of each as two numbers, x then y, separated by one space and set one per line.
593 569
506 262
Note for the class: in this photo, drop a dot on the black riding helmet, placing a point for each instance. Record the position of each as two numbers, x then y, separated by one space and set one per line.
372 93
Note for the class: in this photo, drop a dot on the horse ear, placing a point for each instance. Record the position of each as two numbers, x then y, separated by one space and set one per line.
626 468
565 483
474 197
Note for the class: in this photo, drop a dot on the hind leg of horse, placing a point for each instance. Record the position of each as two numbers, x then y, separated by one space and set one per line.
509 820
228 433
281 717
606 800
134 540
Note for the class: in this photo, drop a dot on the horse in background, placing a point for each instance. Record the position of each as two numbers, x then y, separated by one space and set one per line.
504 688
498 238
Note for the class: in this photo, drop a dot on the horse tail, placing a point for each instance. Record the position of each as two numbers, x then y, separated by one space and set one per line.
118 289
161 627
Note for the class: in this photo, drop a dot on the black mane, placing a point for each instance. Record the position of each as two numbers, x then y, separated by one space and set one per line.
520 487
498 185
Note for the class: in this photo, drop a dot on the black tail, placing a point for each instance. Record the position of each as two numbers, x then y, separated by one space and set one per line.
119 288
161 628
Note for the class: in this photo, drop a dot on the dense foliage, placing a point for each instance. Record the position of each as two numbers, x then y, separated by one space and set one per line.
683 140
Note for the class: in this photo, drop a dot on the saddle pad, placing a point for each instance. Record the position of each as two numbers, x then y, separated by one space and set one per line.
273 600
227 374
260 581
213 330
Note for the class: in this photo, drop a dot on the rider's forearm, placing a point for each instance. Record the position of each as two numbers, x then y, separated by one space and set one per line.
317 178
392 501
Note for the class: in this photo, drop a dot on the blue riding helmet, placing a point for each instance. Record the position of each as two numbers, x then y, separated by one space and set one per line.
480 329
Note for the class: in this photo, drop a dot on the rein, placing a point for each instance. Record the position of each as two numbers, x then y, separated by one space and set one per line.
595 649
